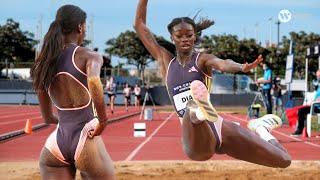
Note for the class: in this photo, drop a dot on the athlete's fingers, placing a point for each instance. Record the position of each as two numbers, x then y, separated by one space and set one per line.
259 59
90 134
256 62
97 132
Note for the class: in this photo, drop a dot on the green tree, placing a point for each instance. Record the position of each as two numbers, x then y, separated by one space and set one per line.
15 45
128 45
277 58
301 41
230 47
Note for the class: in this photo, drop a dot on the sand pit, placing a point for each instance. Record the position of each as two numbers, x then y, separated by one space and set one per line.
181 170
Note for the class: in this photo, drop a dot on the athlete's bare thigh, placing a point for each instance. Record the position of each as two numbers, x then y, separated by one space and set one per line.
94 162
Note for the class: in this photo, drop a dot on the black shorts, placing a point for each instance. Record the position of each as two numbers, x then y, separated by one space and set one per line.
138 96
110 95
127 97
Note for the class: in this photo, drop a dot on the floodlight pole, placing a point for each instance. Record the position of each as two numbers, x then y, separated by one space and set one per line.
7 71
278 38
290 103
306 77
270 31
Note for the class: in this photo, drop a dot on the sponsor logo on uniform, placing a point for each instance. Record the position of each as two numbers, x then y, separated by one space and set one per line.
193 69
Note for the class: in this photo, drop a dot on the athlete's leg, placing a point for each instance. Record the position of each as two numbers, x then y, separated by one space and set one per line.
126 103
198 139
302 116
267 97
94 162
112 102
243 144
239 142
138 101
52 168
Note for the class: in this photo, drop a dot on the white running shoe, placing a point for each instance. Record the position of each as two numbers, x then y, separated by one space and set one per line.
269 121
201 97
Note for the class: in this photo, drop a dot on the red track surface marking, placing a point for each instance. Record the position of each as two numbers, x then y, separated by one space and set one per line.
137 149
25 147
6 109
19 124
119 138
17 115
165 144
164 139
28 147
17 121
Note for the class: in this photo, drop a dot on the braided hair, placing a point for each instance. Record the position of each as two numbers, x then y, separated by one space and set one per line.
198 27
202 24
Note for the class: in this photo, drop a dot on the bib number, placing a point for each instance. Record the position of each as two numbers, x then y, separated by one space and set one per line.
180 100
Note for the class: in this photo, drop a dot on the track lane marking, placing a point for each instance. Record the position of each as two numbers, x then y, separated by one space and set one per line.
18 114
20 120
137 149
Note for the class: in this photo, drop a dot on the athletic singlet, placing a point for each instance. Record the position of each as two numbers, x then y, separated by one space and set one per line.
179 79
71 120
137 91
126 91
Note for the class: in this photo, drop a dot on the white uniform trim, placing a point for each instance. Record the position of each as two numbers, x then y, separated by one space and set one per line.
74 64
169 67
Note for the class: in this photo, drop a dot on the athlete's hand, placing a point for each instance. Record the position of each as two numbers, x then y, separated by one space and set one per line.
98 130
247 67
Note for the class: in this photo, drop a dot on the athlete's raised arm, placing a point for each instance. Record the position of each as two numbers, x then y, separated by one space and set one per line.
158 52
228 65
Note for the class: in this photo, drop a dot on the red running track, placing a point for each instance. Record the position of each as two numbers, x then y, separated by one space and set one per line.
14 117
161 143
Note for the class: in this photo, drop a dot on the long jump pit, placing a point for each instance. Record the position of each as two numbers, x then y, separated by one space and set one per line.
181 170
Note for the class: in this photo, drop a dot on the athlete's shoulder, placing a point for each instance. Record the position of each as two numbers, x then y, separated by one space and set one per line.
89 54
206 61
205 56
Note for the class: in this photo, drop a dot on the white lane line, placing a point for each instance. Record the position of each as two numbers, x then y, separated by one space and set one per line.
20 120
278 132
18 114
135 151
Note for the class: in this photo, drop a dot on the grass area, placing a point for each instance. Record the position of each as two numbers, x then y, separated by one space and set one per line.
315 123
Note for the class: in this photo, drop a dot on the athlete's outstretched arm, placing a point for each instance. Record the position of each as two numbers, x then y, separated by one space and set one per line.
46 107
158 52
228 65
93 67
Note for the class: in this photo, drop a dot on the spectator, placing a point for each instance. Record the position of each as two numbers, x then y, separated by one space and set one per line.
305 109
137 94
277 94
266 80
111 88
127 95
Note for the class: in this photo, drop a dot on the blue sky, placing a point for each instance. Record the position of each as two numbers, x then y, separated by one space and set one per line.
111 17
